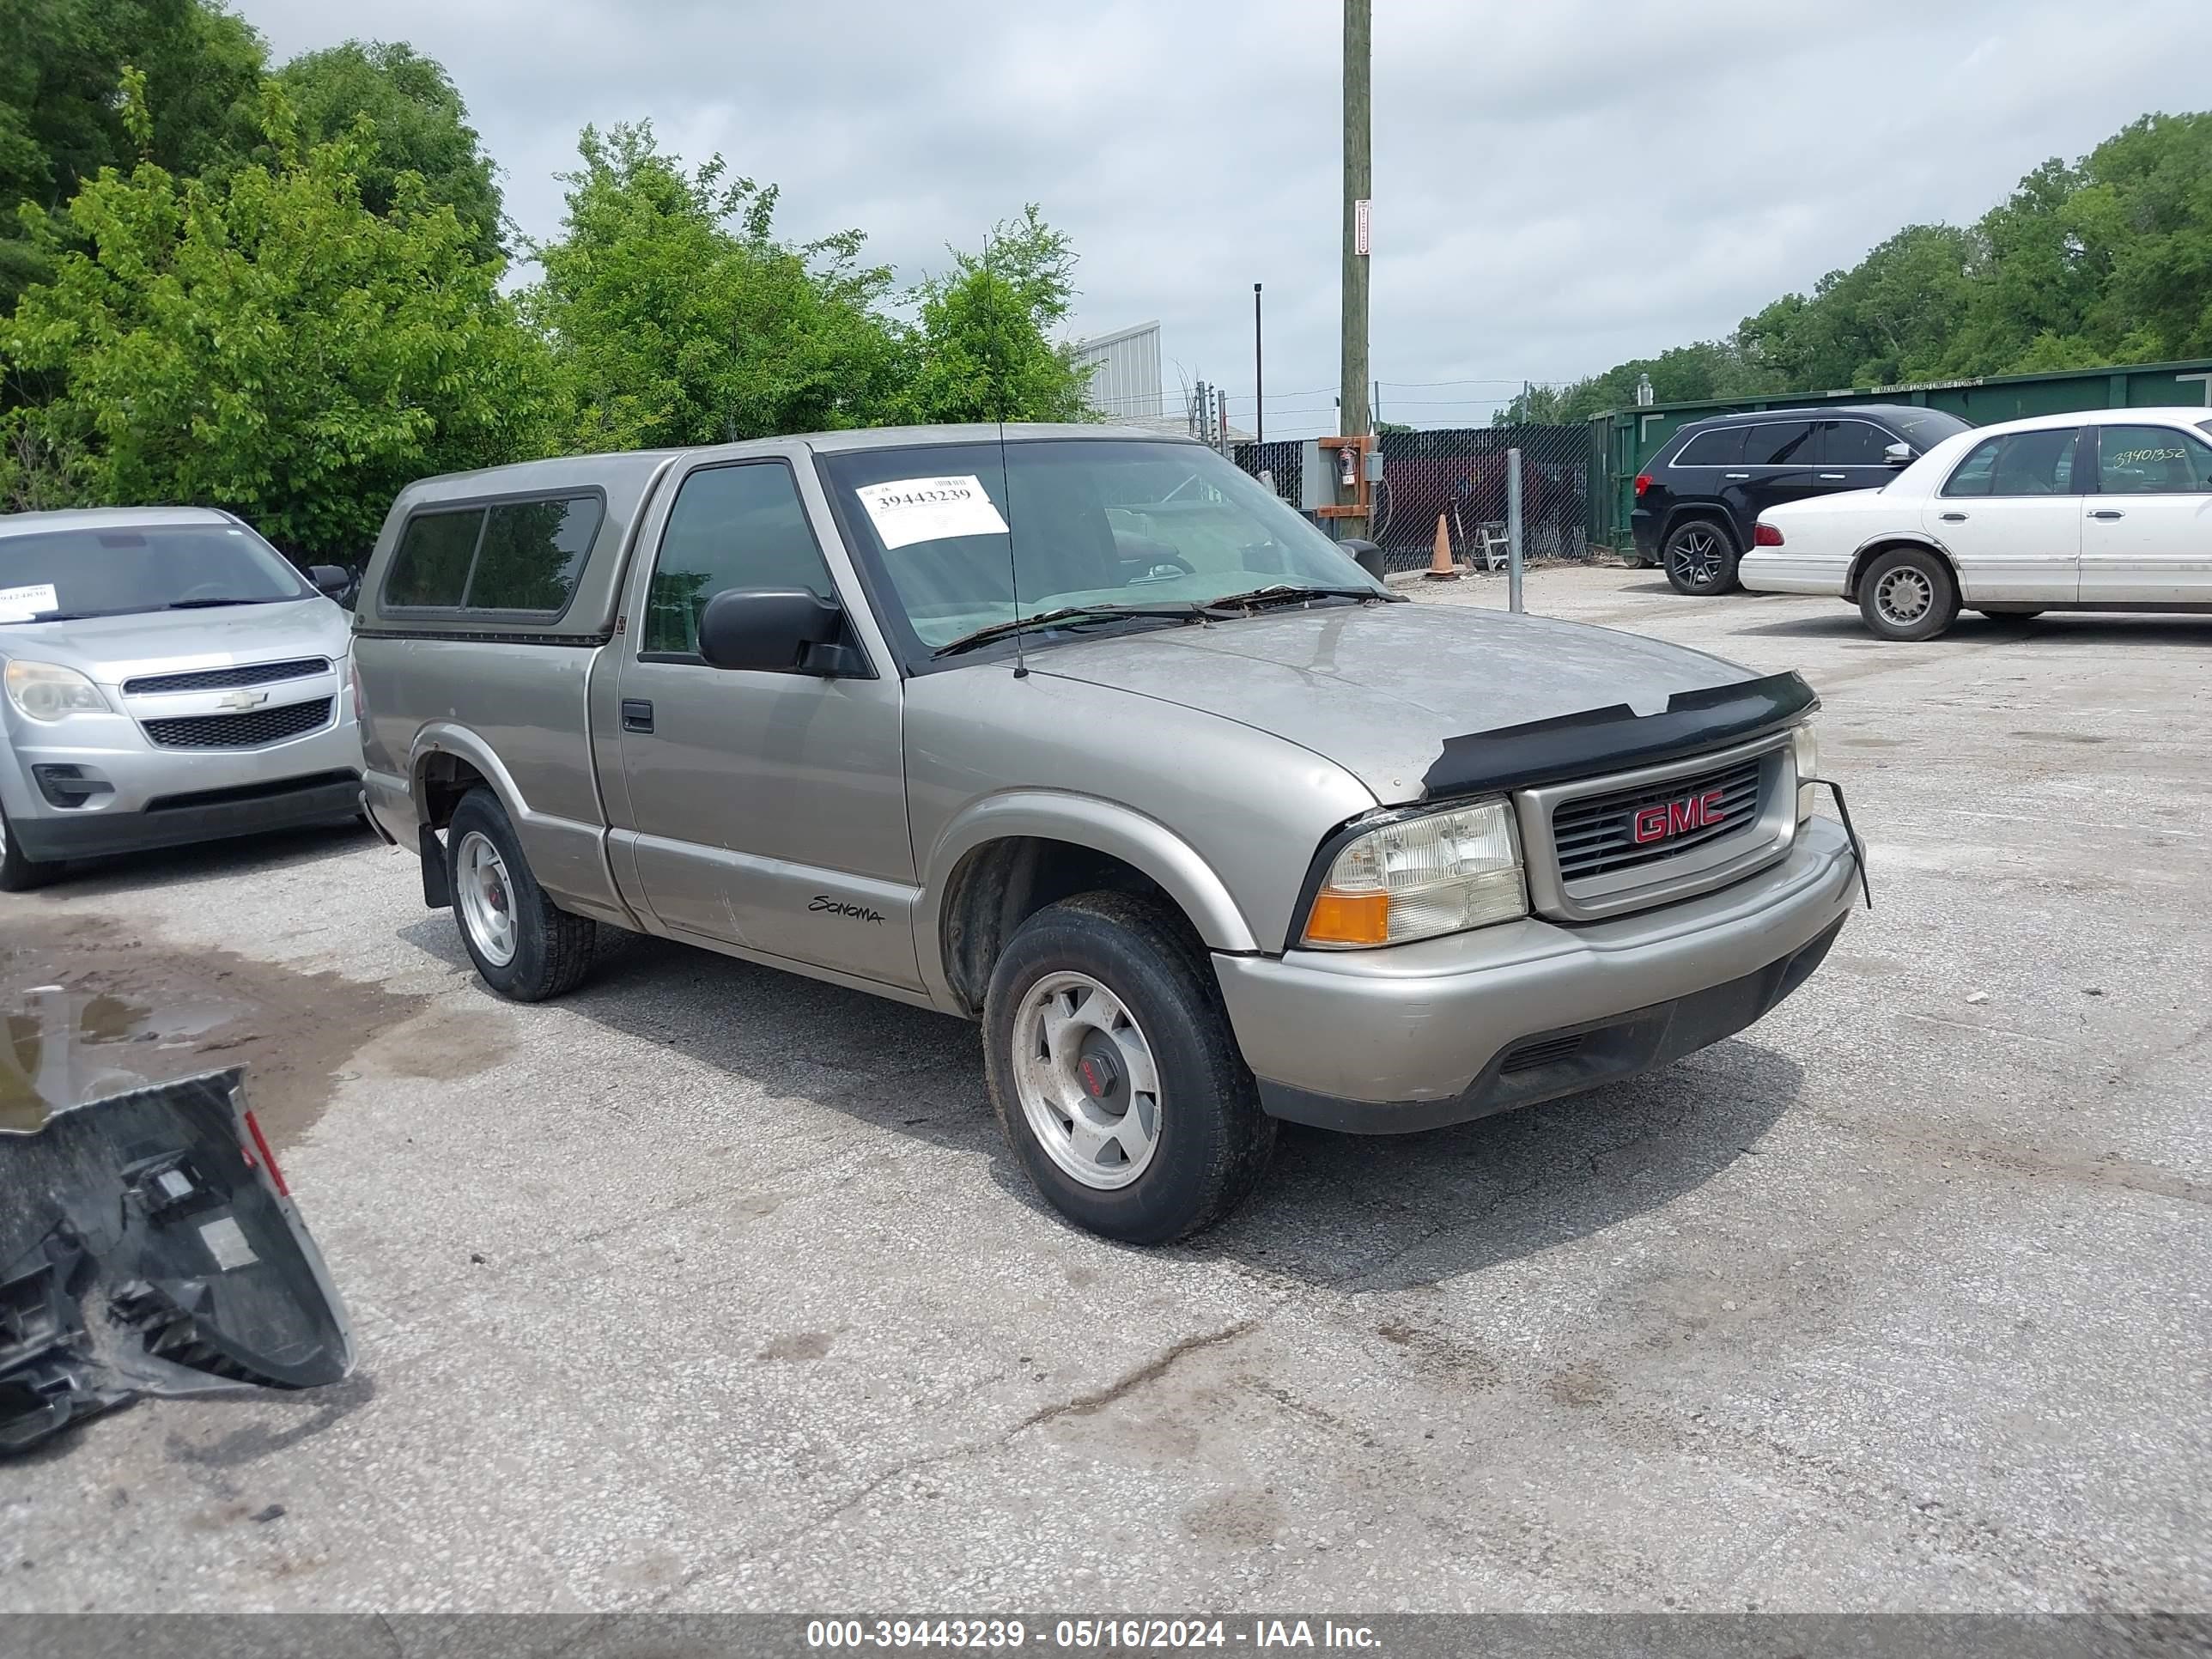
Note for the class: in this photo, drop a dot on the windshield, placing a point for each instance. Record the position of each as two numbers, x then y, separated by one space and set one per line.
103 571
1924 429
1095 521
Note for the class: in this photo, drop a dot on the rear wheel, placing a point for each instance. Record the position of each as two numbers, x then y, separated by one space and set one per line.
1908 593
1113 1072
524 945
19 873
1699 557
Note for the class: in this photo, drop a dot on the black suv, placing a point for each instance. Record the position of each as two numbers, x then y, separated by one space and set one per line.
1698 499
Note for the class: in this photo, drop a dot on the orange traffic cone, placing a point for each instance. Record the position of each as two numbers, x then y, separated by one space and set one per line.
1441 569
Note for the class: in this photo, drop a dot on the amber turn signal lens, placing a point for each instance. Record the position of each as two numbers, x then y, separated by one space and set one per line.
1349 918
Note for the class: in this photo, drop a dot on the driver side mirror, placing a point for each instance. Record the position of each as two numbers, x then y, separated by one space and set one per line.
777 630
1365 553
329 580
1898 455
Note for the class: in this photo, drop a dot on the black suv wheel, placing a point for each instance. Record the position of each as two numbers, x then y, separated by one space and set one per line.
1700 558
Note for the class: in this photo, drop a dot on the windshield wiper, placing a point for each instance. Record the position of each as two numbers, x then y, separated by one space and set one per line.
1294 593
1067 614
203 605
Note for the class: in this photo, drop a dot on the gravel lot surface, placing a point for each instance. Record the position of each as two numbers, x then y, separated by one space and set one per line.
708 1287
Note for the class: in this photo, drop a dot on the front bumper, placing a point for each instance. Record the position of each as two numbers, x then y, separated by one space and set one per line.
1418 1036
158 798
1767 571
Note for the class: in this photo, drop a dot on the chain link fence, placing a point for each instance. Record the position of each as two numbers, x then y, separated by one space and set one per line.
1458 475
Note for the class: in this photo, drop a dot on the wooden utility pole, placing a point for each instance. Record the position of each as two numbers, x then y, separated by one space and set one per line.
1358 170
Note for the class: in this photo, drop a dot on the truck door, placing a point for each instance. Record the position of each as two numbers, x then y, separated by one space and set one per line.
769 810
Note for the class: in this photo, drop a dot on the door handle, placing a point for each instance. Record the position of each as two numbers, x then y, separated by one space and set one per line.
636 715
2107 512
1954 518
1736 475
1833 477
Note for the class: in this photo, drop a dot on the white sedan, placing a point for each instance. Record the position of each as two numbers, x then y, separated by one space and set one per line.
2104 509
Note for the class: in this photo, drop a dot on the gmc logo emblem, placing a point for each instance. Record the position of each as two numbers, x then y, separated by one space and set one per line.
1677 817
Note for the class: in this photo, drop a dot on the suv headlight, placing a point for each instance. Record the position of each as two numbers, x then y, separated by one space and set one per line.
1805 748
48 691
1418 876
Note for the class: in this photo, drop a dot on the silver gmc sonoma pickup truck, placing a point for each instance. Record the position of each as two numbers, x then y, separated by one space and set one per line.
1082 733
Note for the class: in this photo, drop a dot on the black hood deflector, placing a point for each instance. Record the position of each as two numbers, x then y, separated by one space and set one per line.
1615 738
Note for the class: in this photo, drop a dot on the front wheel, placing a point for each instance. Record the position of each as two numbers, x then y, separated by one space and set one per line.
1113 1072
18 872
1700 559
526 946
1908 595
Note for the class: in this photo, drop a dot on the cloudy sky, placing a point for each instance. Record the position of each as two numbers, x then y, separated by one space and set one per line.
1558 184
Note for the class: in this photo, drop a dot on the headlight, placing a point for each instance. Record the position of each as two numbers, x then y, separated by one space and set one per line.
48 691
1438 873
1807 750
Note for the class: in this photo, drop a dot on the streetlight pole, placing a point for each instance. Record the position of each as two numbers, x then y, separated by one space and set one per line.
1259 382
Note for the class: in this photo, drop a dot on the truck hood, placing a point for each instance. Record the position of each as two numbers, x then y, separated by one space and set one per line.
111 649
1378 688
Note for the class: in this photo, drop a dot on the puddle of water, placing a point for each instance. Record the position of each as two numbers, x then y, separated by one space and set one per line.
64 1049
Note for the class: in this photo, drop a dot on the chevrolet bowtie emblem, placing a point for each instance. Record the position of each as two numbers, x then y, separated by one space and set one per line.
241 700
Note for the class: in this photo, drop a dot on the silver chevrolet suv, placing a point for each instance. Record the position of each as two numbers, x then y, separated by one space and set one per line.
166 677
1083 734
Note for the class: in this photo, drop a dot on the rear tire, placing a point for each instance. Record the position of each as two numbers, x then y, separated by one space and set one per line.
1699 556
1095 998
524 945
1908 595
18 873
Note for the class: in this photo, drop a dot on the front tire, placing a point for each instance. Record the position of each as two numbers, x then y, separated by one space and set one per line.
1908 595
1699 556
1114 1075
524 945
19 873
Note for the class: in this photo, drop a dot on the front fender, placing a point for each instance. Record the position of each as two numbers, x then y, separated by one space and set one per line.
1144 844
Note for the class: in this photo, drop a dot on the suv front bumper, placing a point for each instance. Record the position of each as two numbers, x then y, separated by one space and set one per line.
153 798
1418 1036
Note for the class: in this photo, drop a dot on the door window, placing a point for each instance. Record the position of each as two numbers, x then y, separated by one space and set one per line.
1723 446
2151 460
1853 443
732 527
2018 463
1779 443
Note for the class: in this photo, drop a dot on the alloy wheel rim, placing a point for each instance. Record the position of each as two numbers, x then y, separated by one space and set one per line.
1697 557
1904 597
487 898
1088 1086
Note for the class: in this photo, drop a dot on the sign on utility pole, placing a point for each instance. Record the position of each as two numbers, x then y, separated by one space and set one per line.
1352 418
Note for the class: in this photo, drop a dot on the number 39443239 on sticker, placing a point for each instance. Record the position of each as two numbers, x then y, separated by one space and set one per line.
908 510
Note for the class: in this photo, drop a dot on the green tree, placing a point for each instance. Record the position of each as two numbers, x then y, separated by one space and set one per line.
677 318
421 126
1890 317
61 115
983 349
264 342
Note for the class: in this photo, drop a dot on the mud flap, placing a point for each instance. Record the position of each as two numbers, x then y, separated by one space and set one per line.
1843 811
148 1246
437 886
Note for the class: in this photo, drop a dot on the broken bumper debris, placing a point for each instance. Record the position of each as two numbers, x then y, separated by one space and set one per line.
148 1245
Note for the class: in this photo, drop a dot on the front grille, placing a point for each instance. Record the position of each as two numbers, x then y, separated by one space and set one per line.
255 731
1544 1051
216 679
1596 835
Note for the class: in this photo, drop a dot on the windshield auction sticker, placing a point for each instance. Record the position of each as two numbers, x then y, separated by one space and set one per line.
909 510
21 603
